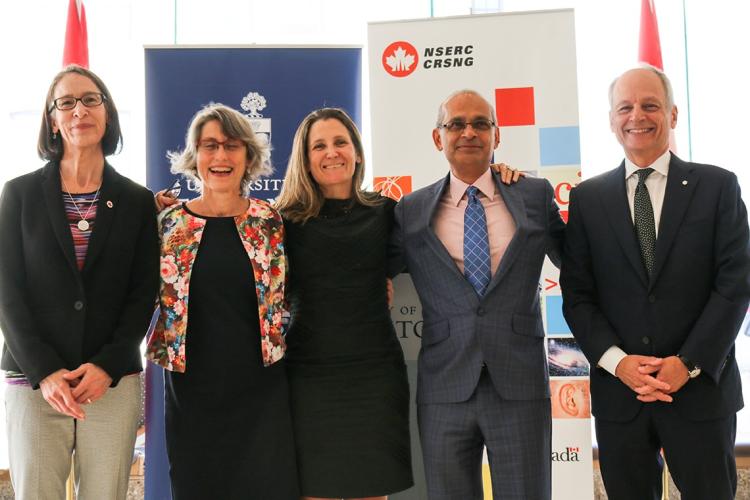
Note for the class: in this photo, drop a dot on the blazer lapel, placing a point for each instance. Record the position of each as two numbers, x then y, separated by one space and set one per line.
513 199
429 207
105 213
681 182
614 199
52 197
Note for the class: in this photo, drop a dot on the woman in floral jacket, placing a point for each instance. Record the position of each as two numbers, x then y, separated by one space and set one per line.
227 413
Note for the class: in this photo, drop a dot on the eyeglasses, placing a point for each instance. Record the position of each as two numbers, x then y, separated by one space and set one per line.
90 100
479 125
212 146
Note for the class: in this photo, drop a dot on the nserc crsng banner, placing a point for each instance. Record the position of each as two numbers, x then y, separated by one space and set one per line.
525 65
276 87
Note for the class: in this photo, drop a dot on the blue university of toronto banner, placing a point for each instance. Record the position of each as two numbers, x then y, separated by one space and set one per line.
276 87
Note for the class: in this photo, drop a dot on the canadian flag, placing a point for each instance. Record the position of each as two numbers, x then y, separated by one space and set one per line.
649 47
76 38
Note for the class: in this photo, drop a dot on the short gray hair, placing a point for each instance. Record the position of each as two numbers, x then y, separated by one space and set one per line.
234 125
441 108
665 83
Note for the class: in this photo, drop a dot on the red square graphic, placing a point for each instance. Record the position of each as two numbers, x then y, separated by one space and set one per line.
396 186
515 106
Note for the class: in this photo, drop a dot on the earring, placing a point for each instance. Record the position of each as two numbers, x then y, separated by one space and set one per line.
54 136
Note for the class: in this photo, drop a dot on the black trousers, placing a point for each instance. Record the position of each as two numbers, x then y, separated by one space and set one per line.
700 455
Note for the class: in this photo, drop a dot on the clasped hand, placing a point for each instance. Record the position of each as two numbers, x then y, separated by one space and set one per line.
651 378
67 390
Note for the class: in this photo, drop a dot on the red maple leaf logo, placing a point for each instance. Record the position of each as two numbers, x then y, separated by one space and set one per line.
400 59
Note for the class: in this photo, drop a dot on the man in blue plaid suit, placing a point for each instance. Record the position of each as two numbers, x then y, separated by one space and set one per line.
474 248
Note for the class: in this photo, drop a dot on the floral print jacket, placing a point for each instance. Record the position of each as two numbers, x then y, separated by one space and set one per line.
262 233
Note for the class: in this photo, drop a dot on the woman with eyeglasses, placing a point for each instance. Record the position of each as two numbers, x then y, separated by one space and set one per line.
78 278
228 426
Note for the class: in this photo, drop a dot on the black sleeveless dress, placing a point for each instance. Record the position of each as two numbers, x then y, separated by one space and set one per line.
228 427
348 381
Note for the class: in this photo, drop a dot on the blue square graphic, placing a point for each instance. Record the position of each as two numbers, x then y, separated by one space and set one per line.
559 146
556 324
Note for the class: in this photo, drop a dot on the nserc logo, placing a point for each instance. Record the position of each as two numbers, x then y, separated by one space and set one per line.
400 59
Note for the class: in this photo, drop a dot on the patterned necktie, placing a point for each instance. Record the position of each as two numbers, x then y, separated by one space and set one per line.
645 227
476 243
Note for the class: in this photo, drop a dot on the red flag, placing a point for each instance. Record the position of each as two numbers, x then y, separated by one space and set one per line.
76 38
649 47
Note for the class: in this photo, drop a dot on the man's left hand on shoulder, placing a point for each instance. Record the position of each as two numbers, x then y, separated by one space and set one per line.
508 175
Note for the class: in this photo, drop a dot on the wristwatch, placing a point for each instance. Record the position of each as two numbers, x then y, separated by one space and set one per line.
693 370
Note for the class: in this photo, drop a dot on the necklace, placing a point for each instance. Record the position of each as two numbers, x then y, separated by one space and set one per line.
83 224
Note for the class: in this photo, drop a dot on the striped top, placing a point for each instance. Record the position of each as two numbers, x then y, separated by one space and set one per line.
87 202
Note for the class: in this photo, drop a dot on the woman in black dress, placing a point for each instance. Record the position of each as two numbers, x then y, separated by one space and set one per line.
348 382
228 427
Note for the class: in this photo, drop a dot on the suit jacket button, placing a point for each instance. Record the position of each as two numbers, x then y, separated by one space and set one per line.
646 340
78 305
652 298
481 311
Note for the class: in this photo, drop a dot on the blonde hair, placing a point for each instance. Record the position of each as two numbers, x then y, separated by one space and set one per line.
301 197
234 125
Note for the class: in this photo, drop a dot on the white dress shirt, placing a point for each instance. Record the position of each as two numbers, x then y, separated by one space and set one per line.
656 183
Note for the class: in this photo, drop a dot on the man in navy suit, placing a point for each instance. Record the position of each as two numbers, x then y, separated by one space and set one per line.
655 282
474 248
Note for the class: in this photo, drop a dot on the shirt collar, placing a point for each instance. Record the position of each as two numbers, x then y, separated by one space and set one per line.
485 183
661 165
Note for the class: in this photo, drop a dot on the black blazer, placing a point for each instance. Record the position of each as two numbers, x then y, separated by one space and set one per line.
694 303
53 316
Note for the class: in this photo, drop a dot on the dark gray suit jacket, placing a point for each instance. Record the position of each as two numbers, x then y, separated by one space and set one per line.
694 302
504 328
